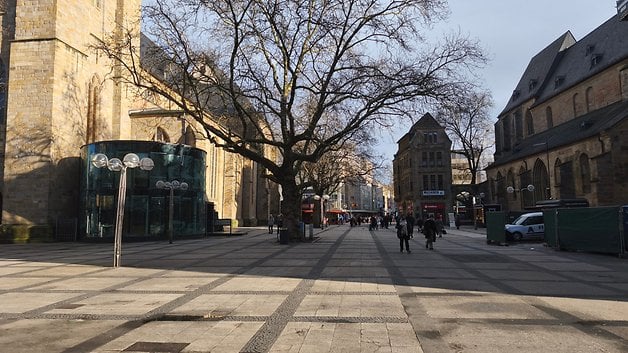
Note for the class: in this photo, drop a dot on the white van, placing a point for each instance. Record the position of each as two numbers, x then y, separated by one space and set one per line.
526 226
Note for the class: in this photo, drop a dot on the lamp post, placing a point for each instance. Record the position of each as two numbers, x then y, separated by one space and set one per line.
130 160
529 188
171 186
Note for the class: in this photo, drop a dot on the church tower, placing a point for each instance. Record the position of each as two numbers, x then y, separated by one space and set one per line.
55 96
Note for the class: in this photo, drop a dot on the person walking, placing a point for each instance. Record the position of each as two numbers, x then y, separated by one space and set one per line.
279 222
430 229
271 223
440 227
411 221
402 234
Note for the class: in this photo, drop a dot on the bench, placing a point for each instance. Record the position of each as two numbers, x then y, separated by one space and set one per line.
224 222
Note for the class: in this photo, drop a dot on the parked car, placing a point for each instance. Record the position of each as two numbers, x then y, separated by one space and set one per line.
526 226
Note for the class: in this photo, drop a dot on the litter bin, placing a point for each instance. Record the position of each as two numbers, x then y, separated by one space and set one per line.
284 236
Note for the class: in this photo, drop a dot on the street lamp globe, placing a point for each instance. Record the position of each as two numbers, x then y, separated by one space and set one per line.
115 164
146 164
131 160
530 188
510 189
99 160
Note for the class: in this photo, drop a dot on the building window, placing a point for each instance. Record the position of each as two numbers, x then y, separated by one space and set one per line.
433 182
532 84
558 81
440 183
93 110
430 137
549 117
596 59
439 159
575 105
424 159
161 135
590 101
585 173
432 159
518 125
426 182
529 123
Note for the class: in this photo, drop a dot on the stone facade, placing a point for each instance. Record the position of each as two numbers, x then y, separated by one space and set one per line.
422 171
563 131
60 96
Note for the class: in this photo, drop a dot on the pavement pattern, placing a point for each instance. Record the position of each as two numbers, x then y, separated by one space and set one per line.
350 290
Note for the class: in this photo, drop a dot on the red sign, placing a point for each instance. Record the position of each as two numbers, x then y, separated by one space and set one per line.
433 206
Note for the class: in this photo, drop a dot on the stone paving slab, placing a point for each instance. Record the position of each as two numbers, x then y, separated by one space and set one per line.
350 291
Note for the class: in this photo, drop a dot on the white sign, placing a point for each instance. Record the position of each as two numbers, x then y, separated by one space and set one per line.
433 192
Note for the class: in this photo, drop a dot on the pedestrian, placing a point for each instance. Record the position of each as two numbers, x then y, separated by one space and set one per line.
271 223
279 222
410 220
402 234
457 221
430 229
440 227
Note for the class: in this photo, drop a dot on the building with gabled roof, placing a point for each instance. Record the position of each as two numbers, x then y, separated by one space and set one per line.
422 170
563 131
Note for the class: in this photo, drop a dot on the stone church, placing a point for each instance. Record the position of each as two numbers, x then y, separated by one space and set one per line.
57 95
564 132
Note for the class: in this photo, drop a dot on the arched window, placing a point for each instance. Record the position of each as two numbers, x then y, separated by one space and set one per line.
590 99
585 173
93 110
549 117
540 180
3 92
510 181
518 125
557 172
190 137
161 135
529 123
575 105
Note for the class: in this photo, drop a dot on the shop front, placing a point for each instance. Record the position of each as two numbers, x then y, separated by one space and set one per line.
433 209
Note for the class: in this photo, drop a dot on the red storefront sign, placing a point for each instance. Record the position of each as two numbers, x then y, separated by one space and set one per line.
433 206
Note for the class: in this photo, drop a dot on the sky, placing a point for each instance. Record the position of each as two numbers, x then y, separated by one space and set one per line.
511 32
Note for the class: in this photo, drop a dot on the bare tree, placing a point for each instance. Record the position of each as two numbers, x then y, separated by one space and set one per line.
348 161
467 119
299 77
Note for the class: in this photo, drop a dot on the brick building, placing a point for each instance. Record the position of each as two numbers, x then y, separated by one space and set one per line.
422 170
57 95
564 130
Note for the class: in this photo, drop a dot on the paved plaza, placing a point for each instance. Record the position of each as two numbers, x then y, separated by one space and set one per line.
350 290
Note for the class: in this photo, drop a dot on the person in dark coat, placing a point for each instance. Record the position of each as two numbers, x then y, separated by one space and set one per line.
402 234
411 221
430 229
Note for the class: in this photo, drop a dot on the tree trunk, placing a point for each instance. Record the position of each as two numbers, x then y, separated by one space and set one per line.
291 209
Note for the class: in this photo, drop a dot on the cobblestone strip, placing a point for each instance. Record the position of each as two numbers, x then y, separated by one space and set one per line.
429 339
266 336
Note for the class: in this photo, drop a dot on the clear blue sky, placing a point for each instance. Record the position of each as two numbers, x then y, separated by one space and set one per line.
512 32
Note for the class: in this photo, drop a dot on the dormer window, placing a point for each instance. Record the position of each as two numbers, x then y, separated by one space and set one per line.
590 49
515 94
532 84
559 81
596 59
